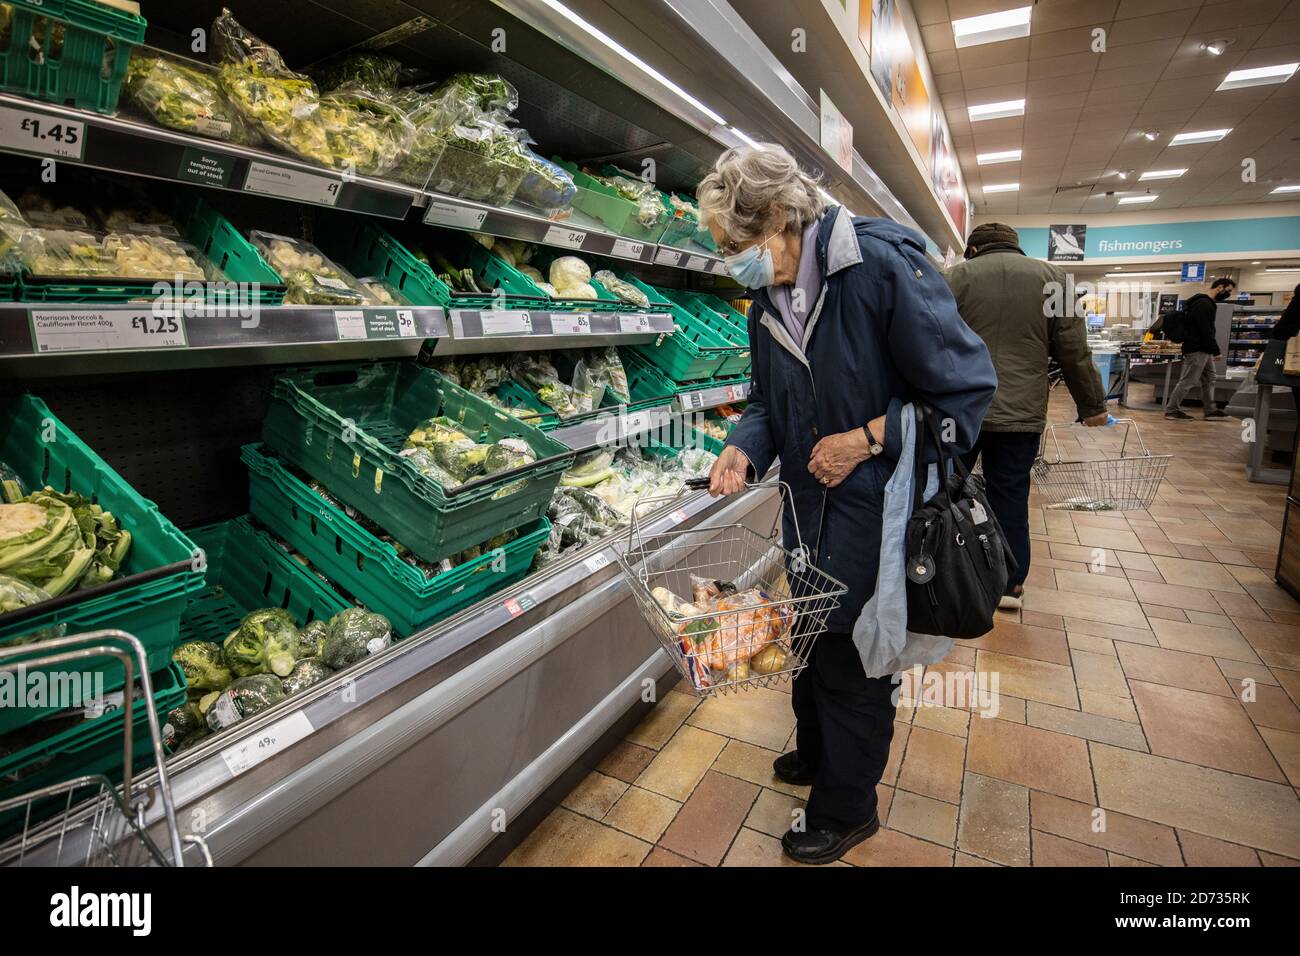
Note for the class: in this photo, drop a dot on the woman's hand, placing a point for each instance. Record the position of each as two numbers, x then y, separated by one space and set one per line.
835 456
729 472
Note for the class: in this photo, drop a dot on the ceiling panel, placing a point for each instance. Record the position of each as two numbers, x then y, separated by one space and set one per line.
1085 112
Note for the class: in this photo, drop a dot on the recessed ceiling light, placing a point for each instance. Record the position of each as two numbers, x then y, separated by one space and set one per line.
1216 47
1162 174
991 27
1201 136
1006 156
1129 275
1259 76
988 111
1255 263
1287 189
1130 200
1002 188
1151 134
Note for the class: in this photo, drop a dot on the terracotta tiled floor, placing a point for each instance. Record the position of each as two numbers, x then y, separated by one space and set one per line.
1147 710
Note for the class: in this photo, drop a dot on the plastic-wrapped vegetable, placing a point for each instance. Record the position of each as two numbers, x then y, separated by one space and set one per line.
434 432
354 634
12 225
546 185
308 671
364 132
117 255
537 372
311 641
590 468
185 96
245 697
568 271
506 454
183 721
310 278
266 640
624 290
423 460
16 594
461 459
375 71
650 211
608 368
204 665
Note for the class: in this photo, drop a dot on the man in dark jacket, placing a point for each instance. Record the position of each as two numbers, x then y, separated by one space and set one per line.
1200 348
1023 310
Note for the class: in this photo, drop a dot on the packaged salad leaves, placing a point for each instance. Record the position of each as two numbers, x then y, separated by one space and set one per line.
364 131
372 71
184 95
310 277
12 225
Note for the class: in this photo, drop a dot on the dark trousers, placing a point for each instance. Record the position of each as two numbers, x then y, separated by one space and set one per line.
1008 458
845 723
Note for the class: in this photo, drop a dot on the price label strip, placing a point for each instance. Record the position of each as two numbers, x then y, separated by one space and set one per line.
563 236
268 179
356 324
266 743
597 561
439 213
634 323
665 256
570 323
627 249
76 331
25 131
506 323
516 606
698 263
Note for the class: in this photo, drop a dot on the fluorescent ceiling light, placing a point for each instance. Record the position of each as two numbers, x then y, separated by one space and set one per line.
1006 156
1255 263
988 111
749 140
991 27
1259 76
1286 269
631 57
1002 188
1132 275
1287 189
1130 200
1161 174
1203 136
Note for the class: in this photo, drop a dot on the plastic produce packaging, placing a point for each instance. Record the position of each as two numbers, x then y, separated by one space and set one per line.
243 698
365 132
12 225
311 640
184 95
306 672
373 71
115 255
354 634
265 640
310 278
624 290
546 186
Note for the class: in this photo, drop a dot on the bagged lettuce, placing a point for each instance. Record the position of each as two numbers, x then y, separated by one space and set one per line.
184 96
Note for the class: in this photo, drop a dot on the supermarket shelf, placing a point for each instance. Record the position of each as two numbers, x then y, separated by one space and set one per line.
712 397
613 427
55 338
119 145
333 742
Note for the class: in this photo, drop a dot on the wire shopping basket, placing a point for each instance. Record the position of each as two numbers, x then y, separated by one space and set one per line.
87 821
1113 484
754 608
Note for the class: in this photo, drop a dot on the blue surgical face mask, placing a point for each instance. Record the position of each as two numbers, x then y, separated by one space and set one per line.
753 267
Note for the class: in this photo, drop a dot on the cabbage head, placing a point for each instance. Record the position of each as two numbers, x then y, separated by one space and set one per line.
266 640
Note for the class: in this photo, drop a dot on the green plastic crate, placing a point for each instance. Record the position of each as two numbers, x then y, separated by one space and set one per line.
83 53
516 395
151 610
695 351
248 571
204 228
604 203
700 306
605 300
649 385
71 745
376 406
369 568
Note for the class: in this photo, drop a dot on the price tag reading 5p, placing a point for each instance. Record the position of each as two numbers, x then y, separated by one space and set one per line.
29 132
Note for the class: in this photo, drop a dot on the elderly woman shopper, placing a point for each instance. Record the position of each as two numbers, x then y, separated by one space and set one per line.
851 321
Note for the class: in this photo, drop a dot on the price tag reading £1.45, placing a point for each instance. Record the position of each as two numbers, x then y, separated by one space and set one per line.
29 132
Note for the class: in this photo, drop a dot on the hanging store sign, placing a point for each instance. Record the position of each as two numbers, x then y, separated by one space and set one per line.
1193 272
836 133
1272 235
1067 243
884 20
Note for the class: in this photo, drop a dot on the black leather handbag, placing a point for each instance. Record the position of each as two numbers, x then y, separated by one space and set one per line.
957 559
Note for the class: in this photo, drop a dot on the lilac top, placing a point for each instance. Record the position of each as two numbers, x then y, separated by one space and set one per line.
793 306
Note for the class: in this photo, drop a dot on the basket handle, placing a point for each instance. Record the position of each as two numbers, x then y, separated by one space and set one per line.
1128 424
702 484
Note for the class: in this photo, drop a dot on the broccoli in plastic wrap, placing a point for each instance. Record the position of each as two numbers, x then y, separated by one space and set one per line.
245 697
308 671
311 641
203 664
266 640
354 634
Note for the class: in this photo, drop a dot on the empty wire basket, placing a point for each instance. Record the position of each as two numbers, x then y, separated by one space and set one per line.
732 607
1112 484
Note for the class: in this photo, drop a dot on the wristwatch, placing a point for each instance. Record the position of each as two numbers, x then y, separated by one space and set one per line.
873 446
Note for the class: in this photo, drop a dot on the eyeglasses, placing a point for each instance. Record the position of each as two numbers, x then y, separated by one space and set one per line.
735 248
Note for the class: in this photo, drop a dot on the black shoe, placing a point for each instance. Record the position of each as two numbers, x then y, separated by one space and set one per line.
826 846
791 769
1179 415
1216 414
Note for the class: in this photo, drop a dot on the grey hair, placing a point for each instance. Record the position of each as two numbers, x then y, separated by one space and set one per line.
751 184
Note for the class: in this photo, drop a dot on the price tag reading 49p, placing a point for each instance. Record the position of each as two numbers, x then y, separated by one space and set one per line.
29 132
266 743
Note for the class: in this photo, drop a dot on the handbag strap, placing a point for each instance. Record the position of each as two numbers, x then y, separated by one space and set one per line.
927 423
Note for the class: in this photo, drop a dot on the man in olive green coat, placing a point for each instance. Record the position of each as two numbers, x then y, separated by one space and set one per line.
1024 312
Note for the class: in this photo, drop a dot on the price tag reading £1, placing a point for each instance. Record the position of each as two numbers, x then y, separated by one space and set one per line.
266 743
270 180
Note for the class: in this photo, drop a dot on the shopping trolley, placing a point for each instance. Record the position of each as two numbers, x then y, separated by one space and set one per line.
1113 484
87 821
771 603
